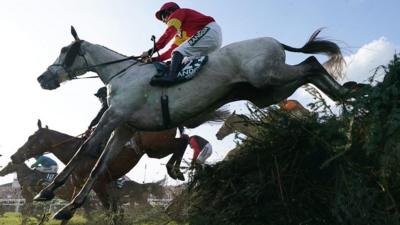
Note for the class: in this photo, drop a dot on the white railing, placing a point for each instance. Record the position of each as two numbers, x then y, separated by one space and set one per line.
12 201
159 201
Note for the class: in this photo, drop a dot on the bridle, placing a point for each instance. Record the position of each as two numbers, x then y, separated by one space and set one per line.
75 50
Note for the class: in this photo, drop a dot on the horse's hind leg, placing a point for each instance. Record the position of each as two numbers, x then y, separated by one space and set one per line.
318 76
308 71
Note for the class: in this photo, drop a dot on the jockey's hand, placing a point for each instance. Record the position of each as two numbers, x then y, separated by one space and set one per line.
87 133
145 54
147 60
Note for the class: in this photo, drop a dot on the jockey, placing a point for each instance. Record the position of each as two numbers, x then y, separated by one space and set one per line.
102 95
294 107
201 149
195 35
45 164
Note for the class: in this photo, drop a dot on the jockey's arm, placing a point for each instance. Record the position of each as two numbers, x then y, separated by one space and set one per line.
173 26
96 120
166 55
163 40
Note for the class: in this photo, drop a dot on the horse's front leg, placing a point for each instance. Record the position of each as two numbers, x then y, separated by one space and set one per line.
102 132
114 146
47 193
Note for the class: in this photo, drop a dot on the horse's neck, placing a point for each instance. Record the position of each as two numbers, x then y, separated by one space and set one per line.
64 146
98 54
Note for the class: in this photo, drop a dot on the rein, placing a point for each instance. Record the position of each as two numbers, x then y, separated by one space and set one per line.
71 73
109 62
76 50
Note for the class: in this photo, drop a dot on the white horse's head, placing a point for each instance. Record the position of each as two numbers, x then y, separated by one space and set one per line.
69 64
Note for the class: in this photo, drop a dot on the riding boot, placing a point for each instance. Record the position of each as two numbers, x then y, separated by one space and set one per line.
174 68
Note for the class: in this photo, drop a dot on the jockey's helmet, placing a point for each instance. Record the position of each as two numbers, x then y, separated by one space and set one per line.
167 8
101 93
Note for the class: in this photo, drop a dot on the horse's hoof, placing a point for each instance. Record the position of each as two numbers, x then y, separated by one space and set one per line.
64 214
44 195
180 176
171 173
350 85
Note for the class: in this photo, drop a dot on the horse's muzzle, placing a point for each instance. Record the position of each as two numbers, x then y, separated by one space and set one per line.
48 81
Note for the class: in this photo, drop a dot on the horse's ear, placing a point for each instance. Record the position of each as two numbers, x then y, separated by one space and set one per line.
47 127
74 34
234 112
39 123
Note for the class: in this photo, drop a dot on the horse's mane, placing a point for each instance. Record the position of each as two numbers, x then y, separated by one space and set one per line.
60 134
113 51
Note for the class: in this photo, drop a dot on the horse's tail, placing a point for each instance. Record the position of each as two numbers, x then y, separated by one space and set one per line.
217 116
335 64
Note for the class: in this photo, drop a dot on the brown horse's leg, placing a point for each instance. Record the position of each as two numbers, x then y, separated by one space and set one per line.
26 212
64 222
170 167
179 147
112 192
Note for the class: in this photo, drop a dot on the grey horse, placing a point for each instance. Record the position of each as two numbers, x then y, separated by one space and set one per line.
253 70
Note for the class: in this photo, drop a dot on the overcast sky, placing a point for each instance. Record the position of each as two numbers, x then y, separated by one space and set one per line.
33 32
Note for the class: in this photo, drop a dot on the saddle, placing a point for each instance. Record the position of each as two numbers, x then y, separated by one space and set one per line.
188 71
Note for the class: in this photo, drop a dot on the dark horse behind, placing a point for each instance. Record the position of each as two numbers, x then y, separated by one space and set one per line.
64 146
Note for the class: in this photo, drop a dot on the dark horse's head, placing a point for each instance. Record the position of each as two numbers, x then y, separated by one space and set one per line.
10 168
36 145
67 65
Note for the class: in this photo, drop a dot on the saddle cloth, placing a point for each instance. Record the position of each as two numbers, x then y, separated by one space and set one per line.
190 67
